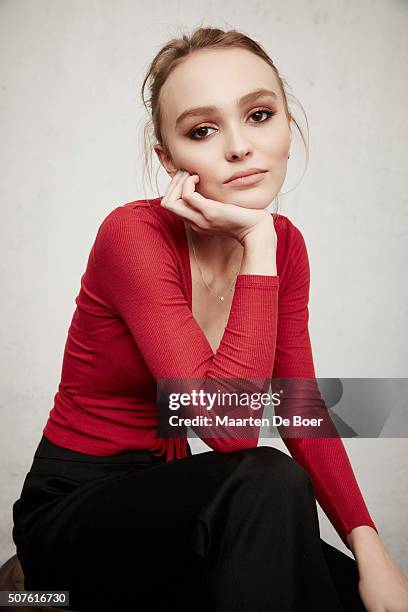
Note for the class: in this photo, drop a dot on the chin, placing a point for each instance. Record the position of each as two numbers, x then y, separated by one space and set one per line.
253 198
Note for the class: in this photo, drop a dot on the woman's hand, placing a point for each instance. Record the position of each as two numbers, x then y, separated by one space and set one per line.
383 587
207 216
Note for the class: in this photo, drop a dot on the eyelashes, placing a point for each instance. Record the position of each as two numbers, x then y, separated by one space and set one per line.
193 133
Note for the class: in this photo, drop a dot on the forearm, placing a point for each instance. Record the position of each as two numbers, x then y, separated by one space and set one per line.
259 255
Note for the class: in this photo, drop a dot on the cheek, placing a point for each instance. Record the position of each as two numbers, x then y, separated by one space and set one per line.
278 133
200 166
194 165
275 146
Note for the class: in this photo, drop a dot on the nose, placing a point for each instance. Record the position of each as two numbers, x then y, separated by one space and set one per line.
237 147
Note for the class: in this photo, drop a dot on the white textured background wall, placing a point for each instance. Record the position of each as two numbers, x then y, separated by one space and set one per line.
71 121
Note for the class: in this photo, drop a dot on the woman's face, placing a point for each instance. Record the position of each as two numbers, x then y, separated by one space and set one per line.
234 136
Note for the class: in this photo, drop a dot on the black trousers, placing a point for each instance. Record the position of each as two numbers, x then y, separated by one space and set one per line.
213 532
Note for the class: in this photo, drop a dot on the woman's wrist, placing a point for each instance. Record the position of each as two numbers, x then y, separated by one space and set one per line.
259 256
366 546
382 584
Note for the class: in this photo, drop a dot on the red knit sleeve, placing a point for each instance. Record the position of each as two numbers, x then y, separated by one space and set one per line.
137 272
325 459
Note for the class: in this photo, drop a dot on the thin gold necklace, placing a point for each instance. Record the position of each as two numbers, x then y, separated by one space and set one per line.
221 298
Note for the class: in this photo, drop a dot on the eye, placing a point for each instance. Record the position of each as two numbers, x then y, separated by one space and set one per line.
196 131
263 110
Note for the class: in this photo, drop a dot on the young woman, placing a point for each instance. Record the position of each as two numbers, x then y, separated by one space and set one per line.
202 283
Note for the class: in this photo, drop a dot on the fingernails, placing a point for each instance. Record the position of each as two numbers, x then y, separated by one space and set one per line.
181 173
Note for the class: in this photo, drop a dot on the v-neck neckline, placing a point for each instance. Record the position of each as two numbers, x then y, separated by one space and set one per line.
189 277
185 257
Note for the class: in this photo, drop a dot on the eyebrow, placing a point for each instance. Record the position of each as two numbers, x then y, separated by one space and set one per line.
202 110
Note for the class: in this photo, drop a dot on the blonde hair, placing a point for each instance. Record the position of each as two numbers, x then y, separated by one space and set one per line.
171 55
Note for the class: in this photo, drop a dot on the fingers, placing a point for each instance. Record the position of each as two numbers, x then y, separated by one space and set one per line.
181 184
173 189
182 210
207 208
188 193
174 201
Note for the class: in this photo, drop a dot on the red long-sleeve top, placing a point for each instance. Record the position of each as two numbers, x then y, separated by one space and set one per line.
133 325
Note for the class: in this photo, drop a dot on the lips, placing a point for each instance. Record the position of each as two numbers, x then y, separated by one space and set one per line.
245 173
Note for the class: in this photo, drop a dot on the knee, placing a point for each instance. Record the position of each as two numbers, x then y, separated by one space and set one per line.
269 466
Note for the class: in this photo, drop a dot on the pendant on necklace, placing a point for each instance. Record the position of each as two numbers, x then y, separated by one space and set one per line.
221 298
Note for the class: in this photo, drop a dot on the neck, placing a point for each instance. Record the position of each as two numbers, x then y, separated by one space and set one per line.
219 256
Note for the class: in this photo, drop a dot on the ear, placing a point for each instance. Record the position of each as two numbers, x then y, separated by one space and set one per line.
165 159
